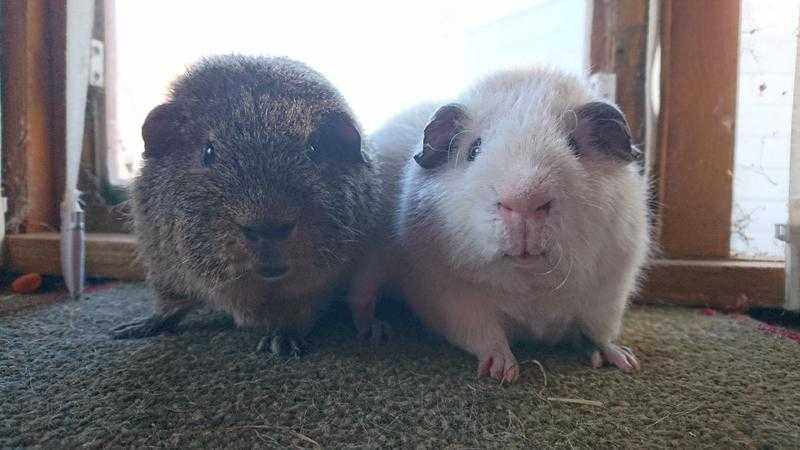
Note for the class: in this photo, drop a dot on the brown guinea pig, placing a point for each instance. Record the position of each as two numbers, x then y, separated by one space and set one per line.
255 196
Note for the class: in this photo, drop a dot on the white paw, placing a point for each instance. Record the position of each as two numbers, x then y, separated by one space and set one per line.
501 366
617 355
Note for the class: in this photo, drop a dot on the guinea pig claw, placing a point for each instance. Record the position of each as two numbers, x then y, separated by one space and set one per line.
144 327
620 356
378 332
281 345
501 367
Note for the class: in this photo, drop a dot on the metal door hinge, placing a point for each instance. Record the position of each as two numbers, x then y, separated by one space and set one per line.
97 64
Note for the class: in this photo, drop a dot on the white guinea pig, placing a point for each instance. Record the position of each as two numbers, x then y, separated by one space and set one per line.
518 214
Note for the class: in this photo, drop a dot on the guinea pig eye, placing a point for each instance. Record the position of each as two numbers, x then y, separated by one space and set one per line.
209 155
474 150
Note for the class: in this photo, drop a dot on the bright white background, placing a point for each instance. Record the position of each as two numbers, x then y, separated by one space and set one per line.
767 50
382 56
387 56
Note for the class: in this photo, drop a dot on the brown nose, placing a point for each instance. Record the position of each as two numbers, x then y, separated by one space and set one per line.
270 231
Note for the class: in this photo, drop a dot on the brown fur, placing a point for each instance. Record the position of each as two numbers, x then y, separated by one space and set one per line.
275 162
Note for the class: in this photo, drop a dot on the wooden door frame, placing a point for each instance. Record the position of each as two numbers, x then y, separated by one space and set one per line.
34 118
693 166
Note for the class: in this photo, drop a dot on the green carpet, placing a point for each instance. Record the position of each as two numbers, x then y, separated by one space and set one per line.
707 381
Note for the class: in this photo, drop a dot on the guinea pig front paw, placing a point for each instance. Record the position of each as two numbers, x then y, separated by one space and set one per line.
500 365
620 356
281 344
376 332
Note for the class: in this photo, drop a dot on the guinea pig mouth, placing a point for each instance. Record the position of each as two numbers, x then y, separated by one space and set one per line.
272 273
526 258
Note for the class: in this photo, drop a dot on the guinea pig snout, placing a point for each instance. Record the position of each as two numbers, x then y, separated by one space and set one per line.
524 218
535 207
263 239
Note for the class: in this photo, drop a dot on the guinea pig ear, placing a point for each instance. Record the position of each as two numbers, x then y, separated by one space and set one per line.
161 130
601 127
439 140
337 137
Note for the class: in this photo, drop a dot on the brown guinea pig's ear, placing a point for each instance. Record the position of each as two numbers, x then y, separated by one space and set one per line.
338 138
439 141
601 127
161 130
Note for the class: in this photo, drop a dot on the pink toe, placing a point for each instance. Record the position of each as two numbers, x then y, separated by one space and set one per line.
634 362
497 372
511 375
484 366
596 360
621 359
624 366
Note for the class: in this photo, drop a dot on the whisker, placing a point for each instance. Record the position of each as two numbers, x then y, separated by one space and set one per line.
566 277
557 263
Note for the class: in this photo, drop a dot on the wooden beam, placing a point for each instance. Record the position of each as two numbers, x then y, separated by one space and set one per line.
601 36
27 115
630 57
107 255
723 284
618 44
719 284
57 33
699 56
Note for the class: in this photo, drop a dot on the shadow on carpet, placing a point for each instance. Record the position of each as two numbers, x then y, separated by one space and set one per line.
707 381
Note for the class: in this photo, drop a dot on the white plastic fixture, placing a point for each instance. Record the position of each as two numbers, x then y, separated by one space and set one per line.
3 206
80 18
790 233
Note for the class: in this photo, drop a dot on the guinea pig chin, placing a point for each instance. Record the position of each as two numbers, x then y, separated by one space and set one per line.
270 269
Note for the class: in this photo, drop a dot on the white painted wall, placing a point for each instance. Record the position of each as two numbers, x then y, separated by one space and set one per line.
763 126
552 33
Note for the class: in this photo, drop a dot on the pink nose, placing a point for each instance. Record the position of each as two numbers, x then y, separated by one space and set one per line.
534 207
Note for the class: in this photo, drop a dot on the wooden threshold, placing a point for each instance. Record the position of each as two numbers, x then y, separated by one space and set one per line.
107 255
724 284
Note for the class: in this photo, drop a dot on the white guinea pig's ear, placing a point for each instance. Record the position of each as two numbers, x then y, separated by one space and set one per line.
161 130
337 138
601 127
440 133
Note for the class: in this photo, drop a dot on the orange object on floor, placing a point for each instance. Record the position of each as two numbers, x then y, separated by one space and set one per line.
27 284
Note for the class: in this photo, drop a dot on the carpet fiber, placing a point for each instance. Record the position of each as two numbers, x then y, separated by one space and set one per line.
707 381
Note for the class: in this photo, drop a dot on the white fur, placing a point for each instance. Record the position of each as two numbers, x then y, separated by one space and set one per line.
449 241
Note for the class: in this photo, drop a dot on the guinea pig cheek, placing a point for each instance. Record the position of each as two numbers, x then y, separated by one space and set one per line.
236 257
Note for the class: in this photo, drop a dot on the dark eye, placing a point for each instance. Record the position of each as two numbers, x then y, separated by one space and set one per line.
474 150
209 155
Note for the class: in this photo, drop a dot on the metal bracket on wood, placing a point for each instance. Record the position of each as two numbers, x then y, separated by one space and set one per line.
97 64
